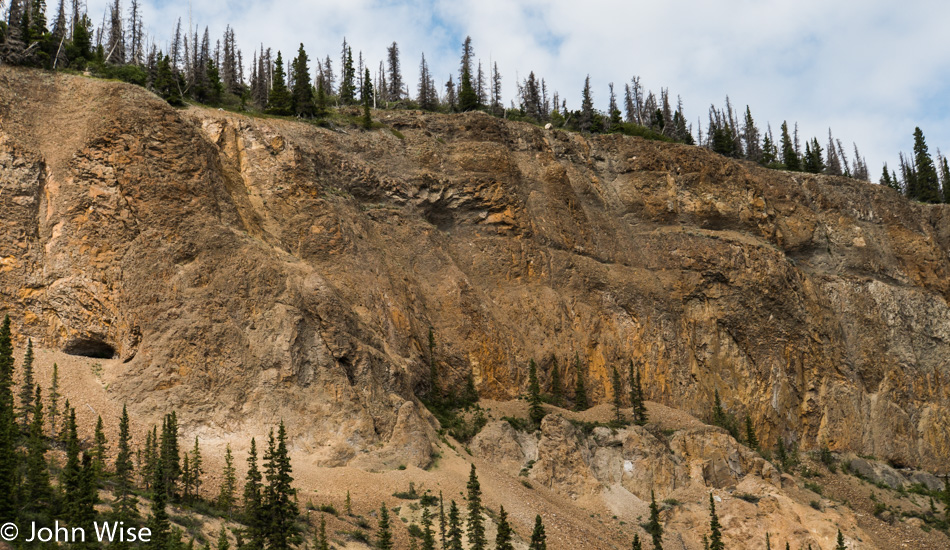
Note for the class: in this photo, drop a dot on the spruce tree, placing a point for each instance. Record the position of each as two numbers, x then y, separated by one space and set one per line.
84 507
476 528
636 545
580 392
70 477
434 392
395 74
54 400
253 501
789 155
366 94
442 525
27 388
428 534
813 162
225 544
538 538
166 83
503 538
557 391
197 469
751 440
348 505
99 450
535 410
654 528
158 521
454 533
384 535
125 503
928 188
715 529
169 455
468 97
228 482
840 542
302 90
279 99
347 77
587 109
638 408
37 490
321 542
279 495
618 397
8 428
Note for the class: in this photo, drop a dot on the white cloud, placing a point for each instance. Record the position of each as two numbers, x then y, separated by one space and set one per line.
871 70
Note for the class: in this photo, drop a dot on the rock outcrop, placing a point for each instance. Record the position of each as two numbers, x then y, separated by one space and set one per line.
255 269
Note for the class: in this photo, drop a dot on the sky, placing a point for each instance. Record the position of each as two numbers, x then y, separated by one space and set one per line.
871 70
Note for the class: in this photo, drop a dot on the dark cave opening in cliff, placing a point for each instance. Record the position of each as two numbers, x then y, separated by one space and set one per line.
89 347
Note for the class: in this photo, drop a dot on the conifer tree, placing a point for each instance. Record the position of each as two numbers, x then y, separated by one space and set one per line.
384 535
813 162
348 505
99 451
496 107
8 427
366 94
535 411
253 501
840 542
636 545
618 396
84 507
751 440
158 521
468 97
347 76
228 483
426 97
538 538
587 109
320 542
302 90
124 506
580 392
197 469
54 400
750 138
279 495
224 543
653 527
451 100
769 153
166 83
638 408
768 542
442 525
789 155
279 99
455 529
70 478
169 455
715 529
503 538
927 181
27 388
557 391
428 534
476 528
395 74
38 492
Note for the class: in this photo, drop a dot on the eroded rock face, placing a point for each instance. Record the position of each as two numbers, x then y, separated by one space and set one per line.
251 269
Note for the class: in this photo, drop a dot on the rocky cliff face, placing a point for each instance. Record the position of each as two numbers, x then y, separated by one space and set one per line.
251 269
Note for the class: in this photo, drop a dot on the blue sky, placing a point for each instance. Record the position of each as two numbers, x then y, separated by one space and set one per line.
871 69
